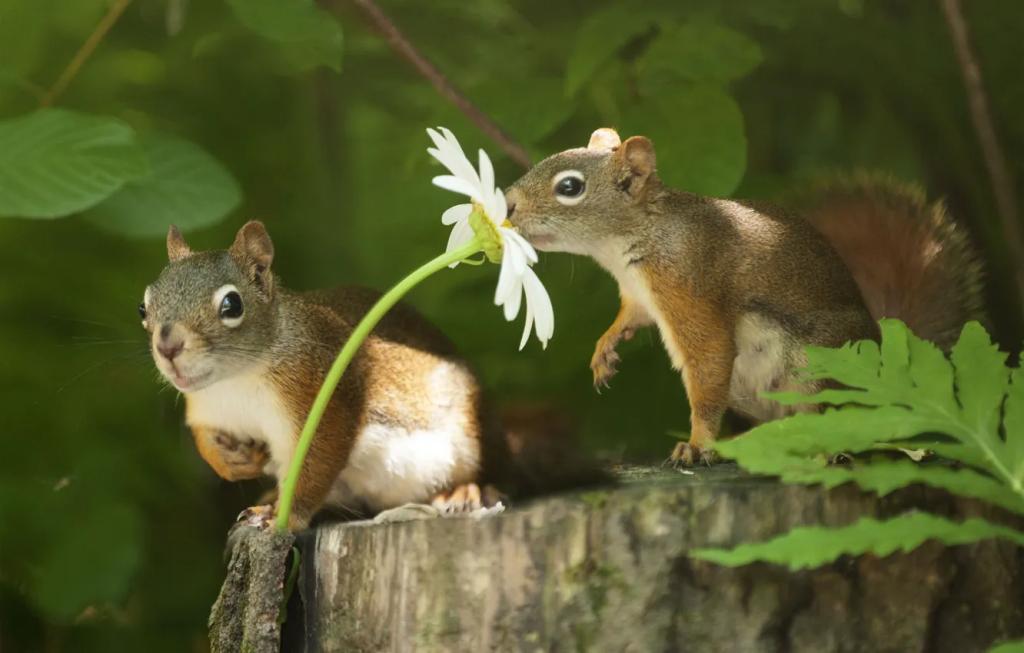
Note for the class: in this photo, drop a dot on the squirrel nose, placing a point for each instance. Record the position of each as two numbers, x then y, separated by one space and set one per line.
167 346
170 349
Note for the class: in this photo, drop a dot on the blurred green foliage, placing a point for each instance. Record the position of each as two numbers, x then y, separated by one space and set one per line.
209 113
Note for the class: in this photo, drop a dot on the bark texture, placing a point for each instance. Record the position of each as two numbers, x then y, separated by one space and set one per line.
245 616
608 570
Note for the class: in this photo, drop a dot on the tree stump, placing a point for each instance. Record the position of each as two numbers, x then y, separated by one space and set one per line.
608 570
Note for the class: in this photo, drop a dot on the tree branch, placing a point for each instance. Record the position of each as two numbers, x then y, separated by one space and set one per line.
84 52
981 116
401 45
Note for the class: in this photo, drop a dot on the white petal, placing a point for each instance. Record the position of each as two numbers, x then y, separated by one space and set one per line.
458 213
457 185
512 253
500 206
449 153
538 302
529 253
460 165
509 281
526 327
486 173
512 304
461 234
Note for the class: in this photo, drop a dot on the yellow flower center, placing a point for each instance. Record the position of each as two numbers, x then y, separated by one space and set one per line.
487 233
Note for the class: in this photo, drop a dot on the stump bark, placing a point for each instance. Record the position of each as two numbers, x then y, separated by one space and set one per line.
608 570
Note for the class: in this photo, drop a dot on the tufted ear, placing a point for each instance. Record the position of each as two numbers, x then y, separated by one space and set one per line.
177 248
605 139
637 156
254 250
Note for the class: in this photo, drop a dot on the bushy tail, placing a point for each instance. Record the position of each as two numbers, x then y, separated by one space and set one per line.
540 454
909 258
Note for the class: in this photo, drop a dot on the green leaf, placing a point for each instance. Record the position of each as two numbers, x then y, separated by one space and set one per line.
81 569
698 51
308 35
813 546
600 37
1016 646
900 390
185 186
701 127
981 379
55 162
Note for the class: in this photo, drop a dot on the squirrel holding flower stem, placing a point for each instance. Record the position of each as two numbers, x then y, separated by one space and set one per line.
407 423
739 289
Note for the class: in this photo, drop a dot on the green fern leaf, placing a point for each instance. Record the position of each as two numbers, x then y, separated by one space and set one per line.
813 546
903 389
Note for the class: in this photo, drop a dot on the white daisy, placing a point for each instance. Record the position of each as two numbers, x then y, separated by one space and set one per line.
498 237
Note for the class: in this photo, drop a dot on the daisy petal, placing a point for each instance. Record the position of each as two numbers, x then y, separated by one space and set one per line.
508 282
539 303
526 327
458 213
512 305
524 246
457 185
486 172
461 234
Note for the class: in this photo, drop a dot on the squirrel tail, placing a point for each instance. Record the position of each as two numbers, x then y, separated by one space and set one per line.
910 258
540 453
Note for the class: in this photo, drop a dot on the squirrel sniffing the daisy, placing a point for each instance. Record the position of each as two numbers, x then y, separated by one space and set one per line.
408 422
738 289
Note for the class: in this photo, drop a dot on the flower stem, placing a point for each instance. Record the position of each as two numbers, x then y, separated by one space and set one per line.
355 340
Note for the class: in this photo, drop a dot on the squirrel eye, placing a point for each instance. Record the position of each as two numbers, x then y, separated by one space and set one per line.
569 187
142 310
231 306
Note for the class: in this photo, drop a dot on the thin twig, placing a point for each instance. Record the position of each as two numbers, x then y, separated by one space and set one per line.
981 116
116 9
401 45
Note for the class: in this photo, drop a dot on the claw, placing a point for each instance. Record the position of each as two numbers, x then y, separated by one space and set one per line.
688 455
260 517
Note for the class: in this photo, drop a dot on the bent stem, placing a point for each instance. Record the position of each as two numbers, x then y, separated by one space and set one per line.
359 334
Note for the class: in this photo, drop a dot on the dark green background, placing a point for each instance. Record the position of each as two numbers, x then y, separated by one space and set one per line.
111 527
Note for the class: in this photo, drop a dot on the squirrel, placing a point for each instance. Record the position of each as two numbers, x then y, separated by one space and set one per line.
738 289
407 424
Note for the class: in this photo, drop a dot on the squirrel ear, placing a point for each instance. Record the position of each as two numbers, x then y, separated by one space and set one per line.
253 247
605 139
177 248
637 155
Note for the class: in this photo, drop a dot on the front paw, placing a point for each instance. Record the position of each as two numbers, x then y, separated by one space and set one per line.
603 364
688 455
243 458
260 517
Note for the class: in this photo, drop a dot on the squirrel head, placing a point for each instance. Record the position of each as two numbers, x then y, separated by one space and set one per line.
211 315
575 198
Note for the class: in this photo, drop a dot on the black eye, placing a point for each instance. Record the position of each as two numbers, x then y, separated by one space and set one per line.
231 306
142 310
569 186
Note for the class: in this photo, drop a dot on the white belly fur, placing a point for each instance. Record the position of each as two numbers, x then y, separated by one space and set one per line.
388 466
766 357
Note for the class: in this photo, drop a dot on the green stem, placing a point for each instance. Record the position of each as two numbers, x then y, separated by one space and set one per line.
355 340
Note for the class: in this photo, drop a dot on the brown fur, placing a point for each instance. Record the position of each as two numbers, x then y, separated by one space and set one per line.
700 268
910 260
294 338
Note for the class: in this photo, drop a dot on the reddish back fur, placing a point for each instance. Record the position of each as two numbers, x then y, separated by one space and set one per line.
908 257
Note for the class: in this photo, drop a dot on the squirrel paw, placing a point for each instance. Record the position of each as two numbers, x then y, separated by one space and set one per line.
688 455
466 498
603 365
260 517
243 458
